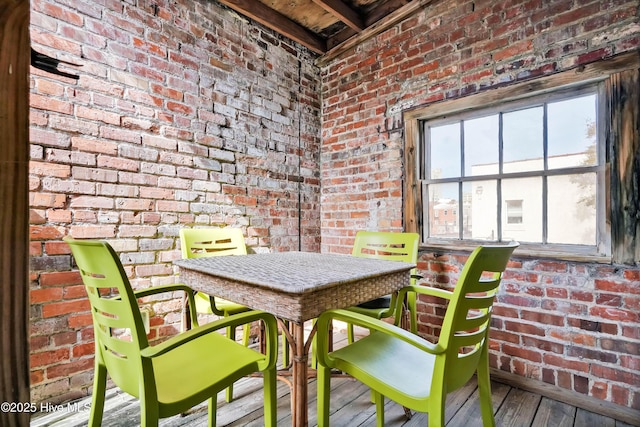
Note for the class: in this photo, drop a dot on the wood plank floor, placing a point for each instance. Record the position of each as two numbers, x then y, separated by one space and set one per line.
350 406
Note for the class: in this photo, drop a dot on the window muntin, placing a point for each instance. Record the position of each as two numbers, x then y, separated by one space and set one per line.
542 151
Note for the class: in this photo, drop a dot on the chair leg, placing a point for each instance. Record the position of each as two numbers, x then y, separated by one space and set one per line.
97 400
246 332
314 345
270 398
378 398
484 387
149 416
213 408
350 333
413 313
436 414
231 333
324 386
285 346
314 349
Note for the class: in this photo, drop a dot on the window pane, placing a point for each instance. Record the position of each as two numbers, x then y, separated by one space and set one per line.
443 210
572 132
481 146
444 158
480 215
522 140
571 210
525 195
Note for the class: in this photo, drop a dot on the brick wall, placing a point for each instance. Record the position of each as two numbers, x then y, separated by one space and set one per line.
574 325
185 114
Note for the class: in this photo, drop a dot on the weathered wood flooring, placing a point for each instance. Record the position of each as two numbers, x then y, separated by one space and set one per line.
350 406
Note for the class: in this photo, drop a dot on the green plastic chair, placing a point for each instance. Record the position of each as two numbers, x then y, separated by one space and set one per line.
393 247
410 370
210 242
171 377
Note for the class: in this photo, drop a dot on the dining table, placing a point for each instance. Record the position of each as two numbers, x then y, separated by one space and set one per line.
295 287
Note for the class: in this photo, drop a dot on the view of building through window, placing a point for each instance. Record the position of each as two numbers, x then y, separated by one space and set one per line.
529 174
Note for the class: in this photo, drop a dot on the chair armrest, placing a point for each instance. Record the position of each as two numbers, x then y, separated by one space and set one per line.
271 329
172 288
370 323
426 290
162 288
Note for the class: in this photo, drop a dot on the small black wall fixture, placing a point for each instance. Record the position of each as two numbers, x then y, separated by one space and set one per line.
50 65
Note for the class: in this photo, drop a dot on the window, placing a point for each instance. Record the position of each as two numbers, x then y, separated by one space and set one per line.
526 170
551 162
514 211
530 169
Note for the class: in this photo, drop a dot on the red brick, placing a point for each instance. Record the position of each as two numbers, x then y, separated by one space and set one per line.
47 200
149 47
69 368
564 379
59 216
49 169
36 376
615 314
584 296
95 114
524 328
618 375
632 275
542 318
64 338
615 286
46 232
74 292
57 43
37 343
80 320
85 349
557 293
527 354
118 163
49 104
48 87
599 390
66 307
45 295
50 357
580 384
514 50
565 363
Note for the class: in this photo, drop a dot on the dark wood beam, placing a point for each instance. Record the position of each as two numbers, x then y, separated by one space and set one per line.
278 22
372 17
14 210
384 9
348 38
343 12
624 92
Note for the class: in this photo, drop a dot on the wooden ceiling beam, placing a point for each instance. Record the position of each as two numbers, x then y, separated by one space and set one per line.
277 22
343 12
371 18
372 30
